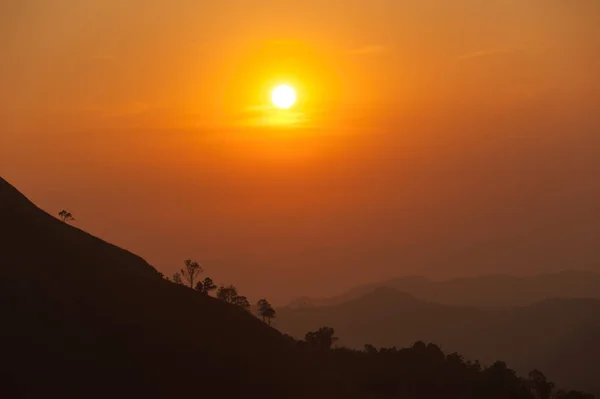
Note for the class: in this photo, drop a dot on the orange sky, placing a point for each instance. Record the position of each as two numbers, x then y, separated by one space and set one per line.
430 137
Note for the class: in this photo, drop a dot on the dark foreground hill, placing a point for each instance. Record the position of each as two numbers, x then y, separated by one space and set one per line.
84 319
496 290
554 335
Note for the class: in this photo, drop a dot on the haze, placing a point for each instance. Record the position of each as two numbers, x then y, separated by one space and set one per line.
438 138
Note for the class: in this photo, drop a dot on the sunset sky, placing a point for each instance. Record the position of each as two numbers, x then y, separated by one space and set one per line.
431 137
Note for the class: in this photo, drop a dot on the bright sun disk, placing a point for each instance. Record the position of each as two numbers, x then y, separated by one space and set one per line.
283 96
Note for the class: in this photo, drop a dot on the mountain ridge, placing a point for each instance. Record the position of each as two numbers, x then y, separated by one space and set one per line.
490 290
526 336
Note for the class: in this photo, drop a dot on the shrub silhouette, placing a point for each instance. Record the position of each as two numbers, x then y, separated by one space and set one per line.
206 286
65 216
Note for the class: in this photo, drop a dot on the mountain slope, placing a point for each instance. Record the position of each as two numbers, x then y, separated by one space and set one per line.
535 336
84 318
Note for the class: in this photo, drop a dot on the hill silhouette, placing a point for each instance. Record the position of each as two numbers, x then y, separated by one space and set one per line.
538 335
84 318
495 290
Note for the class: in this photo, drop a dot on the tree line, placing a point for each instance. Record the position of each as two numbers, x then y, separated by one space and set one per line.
189 276
392 371
425 369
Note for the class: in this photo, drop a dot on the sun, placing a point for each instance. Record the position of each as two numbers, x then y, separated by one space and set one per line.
283 96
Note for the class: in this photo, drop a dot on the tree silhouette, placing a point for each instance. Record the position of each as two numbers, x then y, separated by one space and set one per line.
455 359
65 216
540 385
177 278
420 347
188 274
435 353
227 294
242 302
230 295
265 310
322 339
206 286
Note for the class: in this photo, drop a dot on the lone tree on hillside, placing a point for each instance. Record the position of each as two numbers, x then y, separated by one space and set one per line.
322 339
65 216
189 274
206 286
265 310
230 295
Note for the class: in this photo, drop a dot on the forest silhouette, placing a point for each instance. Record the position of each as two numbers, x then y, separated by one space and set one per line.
84 318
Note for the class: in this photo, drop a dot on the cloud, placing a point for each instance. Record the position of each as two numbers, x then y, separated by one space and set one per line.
372 49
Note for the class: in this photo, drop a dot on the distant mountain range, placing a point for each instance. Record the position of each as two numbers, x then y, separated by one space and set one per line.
488 291
537 335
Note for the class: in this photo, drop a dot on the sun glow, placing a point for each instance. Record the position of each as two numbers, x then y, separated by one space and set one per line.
283 96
